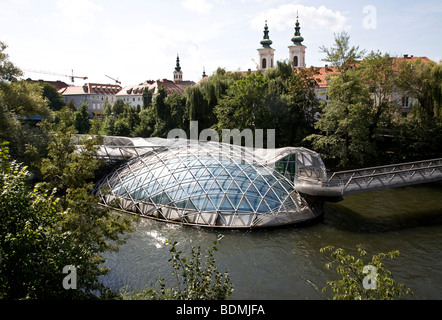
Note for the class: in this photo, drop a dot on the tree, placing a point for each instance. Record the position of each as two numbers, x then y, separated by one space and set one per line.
423 80
340 54
179 116
81 119
20 100
55 99
147 98
8 71
146 127
243 106
118 107
369 280
32 253
69 170
344 135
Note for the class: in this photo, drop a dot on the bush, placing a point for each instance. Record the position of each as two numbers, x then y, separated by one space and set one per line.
362 280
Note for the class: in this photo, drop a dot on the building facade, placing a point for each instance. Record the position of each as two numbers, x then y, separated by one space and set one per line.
93 94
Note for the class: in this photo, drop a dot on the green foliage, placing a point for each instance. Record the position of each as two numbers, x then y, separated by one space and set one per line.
34 249
351 269
56 223
19 100
345 122
340 54
55 99
195 280
147 98
243 106
8 71
81 119
423 80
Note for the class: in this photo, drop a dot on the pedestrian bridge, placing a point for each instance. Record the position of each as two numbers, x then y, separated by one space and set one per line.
370 179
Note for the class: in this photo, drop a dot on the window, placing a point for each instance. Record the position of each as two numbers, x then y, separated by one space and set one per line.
295 61
405 102
264 63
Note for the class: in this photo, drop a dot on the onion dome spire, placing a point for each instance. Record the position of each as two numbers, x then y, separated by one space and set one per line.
178 67
297 39
266 42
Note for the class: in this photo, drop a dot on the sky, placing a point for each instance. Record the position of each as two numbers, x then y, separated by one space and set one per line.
138 40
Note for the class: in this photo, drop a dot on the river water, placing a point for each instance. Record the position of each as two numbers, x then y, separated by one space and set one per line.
285 264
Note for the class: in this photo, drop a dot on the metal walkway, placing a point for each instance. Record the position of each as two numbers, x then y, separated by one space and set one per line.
370 179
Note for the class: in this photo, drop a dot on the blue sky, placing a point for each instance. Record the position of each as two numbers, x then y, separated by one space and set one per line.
136 40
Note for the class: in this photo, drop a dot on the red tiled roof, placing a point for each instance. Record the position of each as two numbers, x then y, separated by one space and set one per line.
91 88
57 84
325 73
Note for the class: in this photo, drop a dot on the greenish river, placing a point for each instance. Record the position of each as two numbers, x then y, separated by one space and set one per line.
285 264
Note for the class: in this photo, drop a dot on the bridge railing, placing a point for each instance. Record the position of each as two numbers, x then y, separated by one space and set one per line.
375 178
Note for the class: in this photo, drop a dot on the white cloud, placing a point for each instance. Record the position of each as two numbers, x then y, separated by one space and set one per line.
312 18
76 15
199 6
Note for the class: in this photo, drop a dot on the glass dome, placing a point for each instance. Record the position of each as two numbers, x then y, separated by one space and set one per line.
204 184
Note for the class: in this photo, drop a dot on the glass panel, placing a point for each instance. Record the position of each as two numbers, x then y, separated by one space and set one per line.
263 208
259 181
179 176
181 204
225 183
173 191
226 205
241 176
197 190
262 188
180 194
189 187
199 202
223 174
244 206
205 174
234 188
215 171
273 205
215 188
206 184
235 199
272 196
252 191
190 205
270 179
254 202
208 206
243 184
140 194
216 199
165 199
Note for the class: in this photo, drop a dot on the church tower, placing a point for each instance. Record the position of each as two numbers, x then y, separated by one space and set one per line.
266 53
297 50
177 74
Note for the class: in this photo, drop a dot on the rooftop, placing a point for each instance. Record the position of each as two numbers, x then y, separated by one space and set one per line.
91 88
